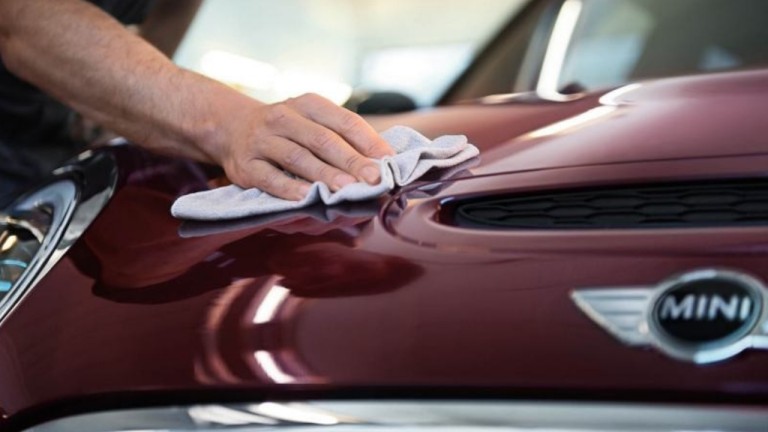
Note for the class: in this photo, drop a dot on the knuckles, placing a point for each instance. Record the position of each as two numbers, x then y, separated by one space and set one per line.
350 122
309 100
351 161
277 114
254 162
236 175
295 157
325 142
269 181
326 173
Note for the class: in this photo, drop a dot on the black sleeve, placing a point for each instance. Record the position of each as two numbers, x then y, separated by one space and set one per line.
126 11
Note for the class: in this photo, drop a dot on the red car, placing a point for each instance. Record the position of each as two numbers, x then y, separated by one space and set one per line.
603 267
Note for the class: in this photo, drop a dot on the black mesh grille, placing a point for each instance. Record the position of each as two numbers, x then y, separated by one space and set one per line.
679 205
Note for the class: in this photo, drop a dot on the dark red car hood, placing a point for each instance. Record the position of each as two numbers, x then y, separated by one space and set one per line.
381 297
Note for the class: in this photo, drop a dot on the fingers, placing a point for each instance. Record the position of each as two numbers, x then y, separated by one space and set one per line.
321 142
263 175
350 126
302 162
308 136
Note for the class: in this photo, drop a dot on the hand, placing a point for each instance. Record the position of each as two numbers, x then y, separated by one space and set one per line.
308 136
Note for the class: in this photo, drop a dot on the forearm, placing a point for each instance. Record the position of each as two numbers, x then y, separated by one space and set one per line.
86 59
81 56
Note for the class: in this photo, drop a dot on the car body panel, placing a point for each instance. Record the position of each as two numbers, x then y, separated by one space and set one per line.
384 296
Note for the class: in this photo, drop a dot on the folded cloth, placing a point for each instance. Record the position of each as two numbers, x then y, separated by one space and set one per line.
416 155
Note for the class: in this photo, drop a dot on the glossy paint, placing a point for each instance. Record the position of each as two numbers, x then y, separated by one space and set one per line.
387 298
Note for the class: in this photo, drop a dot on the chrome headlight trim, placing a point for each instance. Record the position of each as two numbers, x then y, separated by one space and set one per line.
60 199
73 197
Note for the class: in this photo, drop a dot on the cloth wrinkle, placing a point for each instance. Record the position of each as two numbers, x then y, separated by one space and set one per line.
415 156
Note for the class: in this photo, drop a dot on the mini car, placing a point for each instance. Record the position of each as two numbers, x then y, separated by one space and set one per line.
601 267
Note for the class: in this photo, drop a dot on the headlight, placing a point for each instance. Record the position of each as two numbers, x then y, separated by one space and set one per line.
29 233
421 416
37 229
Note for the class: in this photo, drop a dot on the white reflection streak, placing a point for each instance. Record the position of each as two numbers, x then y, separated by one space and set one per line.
9 243
261 79
267 363
612 98
271 303
221 415
557 49
238 70
295 83
573 122
294 413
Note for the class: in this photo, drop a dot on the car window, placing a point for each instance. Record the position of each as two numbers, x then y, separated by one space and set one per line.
607 44
273 50
617 41
564 46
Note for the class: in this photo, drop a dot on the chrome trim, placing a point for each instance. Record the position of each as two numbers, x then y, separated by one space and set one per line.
413 415
61 198
557 51
627 313
621 311
32 229
77 192
100 173
523 98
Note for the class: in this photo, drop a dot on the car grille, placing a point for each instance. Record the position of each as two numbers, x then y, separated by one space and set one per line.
676 205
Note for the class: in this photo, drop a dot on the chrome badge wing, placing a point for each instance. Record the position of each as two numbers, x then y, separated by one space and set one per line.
620 311
700 316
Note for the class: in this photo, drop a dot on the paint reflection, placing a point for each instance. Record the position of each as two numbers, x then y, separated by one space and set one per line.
252 327
254 276
138 252
167 267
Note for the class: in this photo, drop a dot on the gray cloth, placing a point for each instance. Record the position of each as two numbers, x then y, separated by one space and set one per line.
415 156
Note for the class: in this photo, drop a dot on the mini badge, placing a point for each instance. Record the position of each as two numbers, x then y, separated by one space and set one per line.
701 316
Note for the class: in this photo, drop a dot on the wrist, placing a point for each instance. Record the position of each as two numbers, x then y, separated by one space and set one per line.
221 116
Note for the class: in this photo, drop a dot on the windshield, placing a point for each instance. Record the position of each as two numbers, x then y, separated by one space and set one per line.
612 42
273 50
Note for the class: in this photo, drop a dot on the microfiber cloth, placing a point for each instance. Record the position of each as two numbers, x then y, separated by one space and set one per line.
415 155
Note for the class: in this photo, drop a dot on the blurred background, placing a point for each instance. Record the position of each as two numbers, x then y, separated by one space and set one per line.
277 49
441 51
393 56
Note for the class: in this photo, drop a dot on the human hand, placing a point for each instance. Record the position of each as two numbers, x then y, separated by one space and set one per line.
308 136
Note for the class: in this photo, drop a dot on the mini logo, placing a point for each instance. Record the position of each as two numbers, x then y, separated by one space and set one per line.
701 316
707 311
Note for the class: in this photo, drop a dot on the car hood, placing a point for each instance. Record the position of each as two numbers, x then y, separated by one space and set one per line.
385 297
678 118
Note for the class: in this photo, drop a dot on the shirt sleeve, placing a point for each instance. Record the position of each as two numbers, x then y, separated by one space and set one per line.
127 12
